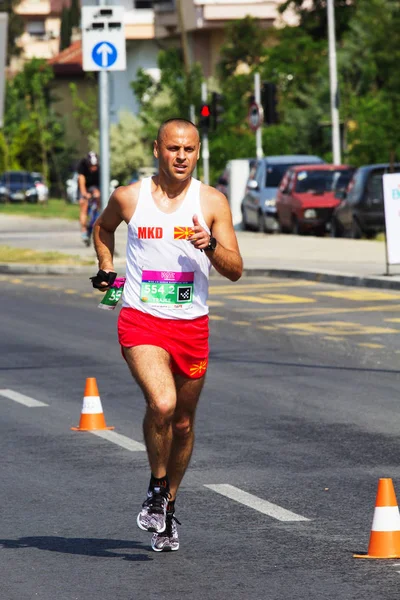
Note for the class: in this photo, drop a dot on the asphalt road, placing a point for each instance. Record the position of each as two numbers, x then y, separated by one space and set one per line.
300 410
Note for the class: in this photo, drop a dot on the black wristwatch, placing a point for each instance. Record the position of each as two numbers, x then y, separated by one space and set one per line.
212 244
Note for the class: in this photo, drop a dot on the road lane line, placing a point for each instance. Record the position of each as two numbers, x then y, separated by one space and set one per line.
120 440
262 506
25 400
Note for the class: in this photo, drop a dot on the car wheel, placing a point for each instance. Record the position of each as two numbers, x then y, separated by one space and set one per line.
370 235
261 223
245 224
296 229
355 231
335 231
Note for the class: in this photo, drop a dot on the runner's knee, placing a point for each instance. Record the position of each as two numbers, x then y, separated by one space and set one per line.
162 410
182 426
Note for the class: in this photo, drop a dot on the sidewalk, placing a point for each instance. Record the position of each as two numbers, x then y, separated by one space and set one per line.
345 261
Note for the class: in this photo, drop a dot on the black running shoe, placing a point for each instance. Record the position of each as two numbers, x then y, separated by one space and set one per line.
153 514
167 541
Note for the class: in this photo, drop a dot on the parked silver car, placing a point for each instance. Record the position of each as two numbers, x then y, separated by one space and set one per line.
259 203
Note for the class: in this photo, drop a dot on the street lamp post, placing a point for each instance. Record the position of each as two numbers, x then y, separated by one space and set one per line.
333 83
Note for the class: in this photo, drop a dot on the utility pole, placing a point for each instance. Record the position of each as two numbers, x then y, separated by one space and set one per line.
257 100
333 84
205 153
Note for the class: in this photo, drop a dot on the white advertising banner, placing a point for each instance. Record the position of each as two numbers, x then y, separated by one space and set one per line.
391 195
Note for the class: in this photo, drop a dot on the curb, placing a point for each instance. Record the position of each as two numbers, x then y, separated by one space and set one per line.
383 281
328 277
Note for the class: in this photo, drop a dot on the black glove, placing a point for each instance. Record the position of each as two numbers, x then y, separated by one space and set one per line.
103 276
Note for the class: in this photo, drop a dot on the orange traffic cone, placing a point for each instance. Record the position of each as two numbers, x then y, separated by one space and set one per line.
384 541
92 416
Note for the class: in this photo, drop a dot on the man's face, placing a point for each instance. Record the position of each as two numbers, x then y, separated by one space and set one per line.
177 151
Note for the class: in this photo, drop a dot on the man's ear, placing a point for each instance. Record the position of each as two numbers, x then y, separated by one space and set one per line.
155 148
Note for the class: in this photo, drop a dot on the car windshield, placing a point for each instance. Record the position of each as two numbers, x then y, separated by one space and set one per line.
275 174
322 181
17 178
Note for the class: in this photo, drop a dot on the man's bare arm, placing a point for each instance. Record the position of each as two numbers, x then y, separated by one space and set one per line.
82 185
226 258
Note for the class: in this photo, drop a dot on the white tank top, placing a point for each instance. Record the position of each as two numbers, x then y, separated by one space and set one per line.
166 276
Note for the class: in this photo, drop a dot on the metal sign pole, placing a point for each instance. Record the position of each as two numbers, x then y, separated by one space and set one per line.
333 84
3 54
205 153
104 118
257 100
104 127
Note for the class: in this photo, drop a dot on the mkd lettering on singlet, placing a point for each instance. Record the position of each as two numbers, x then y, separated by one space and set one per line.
150 233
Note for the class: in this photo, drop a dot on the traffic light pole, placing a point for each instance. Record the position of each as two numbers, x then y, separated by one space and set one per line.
257 100
205 153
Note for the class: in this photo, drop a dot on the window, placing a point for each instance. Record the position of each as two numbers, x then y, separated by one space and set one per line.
36 28
274 175
143 4
321 181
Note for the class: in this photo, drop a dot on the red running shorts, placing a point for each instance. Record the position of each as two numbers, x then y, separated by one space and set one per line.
186 341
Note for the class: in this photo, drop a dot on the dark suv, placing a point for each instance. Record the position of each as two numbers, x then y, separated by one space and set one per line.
361 212
18 186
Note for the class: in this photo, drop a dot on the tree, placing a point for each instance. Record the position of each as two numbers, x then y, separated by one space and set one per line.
129 152
15 27
171 96
368 64
35 136
312 15
244 43
85 111
65 29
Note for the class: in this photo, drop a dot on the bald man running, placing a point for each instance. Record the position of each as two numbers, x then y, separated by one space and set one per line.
177 229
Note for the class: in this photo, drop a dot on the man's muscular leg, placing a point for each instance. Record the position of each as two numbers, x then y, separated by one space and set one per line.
83 210
150 367
188 394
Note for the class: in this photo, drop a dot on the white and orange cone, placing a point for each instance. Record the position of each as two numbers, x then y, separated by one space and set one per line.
92 416
384 541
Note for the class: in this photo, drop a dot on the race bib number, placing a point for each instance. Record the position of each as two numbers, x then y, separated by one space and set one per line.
167 288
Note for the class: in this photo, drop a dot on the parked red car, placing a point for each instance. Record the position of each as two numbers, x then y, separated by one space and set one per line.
306 196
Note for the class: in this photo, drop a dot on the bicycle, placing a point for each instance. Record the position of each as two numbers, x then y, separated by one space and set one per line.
92 215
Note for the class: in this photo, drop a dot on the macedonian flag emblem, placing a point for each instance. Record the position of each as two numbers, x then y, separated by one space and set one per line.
182 233
199 368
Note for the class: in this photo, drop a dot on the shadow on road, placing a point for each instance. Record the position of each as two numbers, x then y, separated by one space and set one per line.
101 547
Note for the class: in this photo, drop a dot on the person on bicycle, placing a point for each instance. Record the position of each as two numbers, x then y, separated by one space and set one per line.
88 186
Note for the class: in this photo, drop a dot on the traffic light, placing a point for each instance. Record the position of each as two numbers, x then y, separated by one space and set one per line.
269 102
205 117
217 109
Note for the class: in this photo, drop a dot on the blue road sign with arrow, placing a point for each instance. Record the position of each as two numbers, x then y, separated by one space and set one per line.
104 54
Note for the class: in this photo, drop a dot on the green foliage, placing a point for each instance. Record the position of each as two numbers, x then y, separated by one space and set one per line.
313 16
129 152
3 153
65 29
244 43
171 96
85 110
75 13
35 137
15 27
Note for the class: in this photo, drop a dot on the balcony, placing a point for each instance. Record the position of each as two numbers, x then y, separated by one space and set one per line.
33 8
211 14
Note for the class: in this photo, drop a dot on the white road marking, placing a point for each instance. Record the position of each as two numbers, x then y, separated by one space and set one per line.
120 440
25 400
263 506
